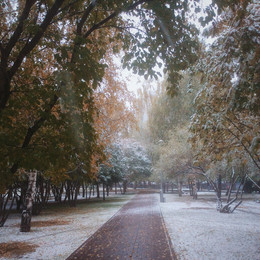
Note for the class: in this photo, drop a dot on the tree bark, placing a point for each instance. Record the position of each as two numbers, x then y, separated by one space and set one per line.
107 189
27 213
4 209
219 188
179 188
190 187
115 188
98 194
164 186
124 186
104 192
4 89
83 189
90 191
120 188
194 188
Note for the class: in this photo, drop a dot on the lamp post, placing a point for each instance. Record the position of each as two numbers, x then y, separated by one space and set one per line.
162 199
161 188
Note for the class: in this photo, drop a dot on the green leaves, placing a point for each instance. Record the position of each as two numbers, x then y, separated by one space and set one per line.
60 49
228 98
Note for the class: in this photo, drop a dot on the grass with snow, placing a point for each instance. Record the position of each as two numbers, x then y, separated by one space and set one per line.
199 231
196 229
58 230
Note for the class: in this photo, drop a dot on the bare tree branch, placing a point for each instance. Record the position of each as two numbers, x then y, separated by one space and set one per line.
34 41
18 31
32 130
85 16
113 15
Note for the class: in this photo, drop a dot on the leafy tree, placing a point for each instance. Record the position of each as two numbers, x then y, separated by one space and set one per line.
225 125
166 131
114 107
75 30
128 162
53 56
226 122
136 160
113 170
168 113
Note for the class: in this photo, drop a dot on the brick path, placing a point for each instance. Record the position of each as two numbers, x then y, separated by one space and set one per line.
136 232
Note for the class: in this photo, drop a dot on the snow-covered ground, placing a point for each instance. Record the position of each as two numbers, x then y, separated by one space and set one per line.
199 232
59 241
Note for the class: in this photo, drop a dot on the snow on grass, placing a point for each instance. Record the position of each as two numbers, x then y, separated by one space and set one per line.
199 231
58 231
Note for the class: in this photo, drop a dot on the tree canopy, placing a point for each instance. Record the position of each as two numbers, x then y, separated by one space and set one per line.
54 55
226 122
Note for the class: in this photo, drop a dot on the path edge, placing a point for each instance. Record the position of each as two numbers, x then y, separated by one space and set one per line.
172 251
79 248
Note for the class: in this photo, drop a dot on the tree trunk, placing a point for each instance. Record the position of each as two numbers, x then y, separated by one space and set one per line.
164 186
90 191
57 192
67 191
120 188
27 213
83 189
199 185
219 188
180 188
18 201
4 207
76 186
98 194
4 89
208 185
124 186
107 189
194 188
115 188
86 191
42 195
104 192
190 187
227 208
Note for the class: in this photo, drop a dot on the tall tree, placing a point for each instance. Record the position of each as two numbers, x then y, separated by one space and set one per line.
226 122
69 39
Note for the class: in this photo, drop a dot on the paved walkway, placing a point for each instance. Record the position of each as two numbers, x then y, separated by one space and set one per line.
137 231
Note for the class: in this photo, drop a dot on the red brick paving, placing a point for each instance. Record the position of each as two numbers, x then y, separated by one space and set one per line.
136 232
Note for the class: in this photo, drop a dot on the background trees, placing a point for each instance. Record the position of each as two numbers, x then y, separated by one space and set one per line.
53 55
224 127
62 105
167 131
226 122
227 117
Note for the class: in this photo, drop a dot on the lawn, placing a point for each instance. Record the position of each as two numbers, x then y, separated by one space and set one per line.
58 230
198 231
